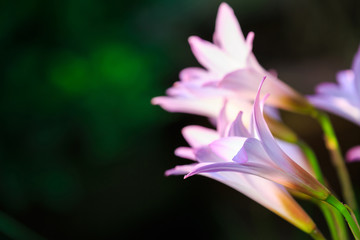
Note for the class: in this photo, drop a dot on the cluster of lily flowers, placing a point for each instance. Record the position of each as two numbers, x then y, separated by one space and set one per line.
250 149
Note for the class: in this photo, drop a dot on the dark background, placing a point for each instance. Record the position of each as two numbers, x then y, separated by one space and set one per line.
83 152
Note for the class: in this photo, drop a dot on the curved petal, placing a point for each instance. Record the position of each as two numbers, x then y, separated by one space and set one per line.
181 169
266 193
303 178
269 194
212 57
246 82
296 154
337 105
185 152
238 129
227 148
203 107
198 136
270 173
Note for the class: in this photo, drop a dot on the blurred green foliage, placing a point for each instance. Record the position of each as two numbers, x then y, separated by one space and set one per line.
82 150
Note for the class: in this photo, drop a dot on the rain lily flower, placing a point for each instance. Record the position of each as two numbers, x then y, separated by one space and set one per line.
210 147
258 154
342 99
231 72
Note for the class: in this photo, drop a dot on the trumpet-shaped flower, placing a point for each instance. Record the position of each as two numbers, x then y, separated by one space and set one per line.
231 72
209 147
342 99
258 154
269 194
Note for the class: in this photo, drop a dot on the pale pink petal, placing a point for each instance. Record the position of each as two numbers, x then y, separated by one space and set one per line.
253 152
337 105
296 154
353 155
197 89
267 193
304 180
261 170
198 136
185 152
206 155
234 106
246 82
346 80
181 170
227 148
345 89
212 57
228 35
222 121
270 173
194 73
238 128
203 107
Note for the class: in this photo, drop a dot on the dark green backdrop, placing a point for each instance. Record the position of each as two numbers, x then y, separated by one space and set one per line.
83 152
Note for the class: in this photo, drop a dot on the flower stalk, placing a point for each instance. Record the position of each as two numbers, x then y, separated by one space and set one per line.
332 145
317 235
333 218
354 227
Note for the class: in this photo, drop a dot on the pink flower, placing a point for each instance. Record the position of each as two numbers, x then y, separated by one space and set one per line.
210 148
342 99
231 72
258 154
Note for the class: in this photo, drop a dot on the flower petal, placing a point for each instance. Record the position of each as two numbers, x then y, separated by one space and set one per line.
226 148
353 155
202 107
228 34
337 105
194 73
267 193
212 57
246 82
185 152
304 180
237 128
180 170
198 136
296 154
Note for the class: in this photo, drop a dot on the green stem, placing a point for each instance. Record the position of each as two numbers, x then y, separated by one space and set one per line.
337 160
310 155
332 200
317 235
333 218
15 230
